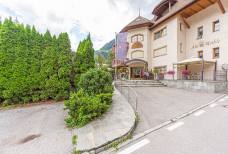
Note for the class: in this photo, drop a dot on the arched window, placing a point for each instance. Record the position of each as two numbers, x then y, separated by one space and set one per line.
137 54
137 38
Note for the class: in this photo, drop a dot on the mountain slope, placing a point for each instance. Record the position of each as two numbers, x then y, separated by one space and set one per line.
104 51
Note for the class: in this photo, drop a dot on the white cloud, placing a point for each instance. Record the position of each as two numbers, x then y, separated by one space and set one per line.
102 18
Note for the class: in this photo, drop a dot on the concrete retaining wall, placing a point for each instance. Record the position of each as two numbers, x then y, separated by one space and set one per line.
206 86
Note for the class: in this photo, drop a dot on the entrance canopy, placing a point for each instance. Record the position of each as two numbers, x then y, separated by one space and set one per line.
195 61
133 61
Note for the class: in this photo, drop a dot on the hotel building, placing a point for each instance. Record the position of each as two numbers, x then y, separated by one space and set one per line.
185 37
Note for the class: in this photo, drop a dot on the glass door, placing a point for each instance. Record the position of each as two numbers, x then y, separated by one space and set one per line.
136 72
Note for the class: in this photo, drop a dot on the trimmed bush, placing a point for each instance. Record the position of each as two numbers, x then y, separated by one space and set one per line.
83 108
96 81
92 100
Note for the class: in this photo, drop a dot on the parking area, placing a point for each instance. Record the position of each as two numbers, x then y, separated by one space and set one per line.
38 129
160 104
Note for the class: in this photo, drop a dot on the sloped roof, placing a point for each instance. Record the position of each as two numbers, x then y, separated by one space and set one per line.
139 20
137 23
179 6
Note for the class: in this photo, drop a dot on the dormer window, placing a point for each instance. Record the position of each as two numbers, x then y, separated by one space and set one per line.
137 38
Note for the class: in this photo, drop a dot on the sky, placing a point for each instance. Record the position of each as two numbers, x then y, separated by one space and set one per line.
100 18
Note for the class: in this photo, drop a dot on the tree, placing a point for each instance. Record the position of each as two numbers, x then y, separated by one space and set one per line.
111 57
84 59
100 60
37 67
64 65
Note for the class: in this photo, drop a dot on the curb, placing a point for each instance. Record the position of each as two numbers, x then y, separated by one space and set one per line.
173 120
117 140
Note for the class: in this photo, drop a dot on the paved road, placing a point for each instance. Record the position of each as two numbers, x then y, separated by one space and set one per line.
160 104
203 132
35 130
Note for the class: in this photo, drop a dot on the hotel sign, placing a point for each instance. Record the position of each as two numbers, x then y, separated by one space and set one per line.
205 44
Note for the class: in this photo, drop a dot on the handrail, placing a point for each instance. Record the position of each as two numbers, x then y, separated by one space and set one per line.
134 104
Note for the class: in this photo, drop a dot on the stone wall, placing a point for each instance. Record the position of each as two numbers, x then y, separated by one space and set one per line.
206 86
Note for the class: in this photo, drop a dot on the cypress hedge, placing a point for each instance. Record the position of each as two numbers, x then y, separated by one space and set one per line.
35 66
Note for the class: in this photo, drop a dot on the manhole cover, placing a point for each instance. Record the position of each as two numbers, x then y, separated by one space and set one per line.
29 138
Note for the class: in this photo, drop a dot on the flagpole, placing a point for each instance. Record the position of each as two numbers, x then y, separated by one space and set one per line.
115 56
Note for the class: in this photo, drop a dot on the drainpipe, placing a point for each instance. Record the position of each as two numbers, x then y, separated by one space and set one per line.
202 71
215 71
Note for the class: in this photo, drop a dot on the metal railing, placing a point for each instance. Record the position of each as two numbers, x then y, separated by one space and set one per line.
130 94
208 75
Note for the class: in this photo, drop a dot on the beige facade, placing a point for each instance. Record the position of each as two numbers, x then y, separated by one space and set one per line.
168 42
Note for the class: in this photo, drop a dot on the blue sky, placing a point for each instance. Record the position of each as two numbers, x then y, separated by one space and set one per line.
102 18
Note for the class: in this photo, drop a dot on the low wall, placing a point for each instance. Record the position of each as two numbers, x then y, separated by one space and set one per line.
205 86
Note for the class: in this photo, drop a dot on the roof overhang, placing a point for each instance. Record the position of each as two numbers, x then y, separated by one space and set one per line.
125 29
198 6
196 61
188 10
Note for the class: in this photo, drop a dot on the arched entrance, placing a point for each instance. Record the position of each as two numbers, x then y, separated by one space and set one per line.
136 67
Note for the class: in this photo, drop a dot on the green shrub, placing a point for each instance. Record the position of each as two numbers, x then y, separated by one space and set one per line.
96 81
92 99
83 108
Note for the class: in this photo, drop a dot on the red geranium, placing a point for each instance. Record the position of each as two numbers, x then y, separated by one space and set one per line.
171 72
185 72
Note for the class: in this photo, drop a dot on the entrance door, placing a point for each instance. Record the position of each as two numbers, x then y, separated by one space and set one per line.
136 72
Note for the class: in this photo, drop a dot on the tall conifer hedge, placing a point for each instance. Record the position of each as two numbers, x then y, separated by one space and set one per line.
33 66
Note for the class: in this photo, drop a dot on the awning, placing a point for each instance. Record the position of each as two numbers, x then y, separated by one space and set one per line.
132 61
195 61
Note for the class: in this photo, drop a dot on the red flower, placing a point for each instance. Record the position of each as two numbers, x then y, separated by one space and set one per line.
185 72
171 72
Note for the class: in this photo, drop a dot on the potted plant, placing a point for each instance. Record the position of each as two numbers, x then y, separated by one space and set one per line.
155 72
171 72
185 74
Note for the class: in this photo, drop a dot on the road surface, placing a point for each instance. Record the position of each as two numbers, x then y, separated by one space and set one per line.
203 132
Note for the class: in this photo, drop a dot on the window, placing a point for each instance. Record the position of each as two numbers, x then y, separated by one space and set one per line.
137 38
200 33
181 48
160 51
200 54
216 26
181 27
137 54
160 33
215 53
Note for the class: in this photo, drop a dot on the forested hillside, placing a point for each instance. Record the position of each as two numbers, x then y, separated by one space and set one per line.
104 51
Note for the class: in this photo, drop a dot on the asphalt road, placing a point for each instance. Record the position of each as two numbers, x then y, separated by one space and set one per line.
35 130
160 104
203 132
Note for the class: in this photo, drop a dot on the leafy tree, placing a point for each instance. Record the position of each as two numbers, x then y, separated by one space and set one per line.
100 60
111 57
